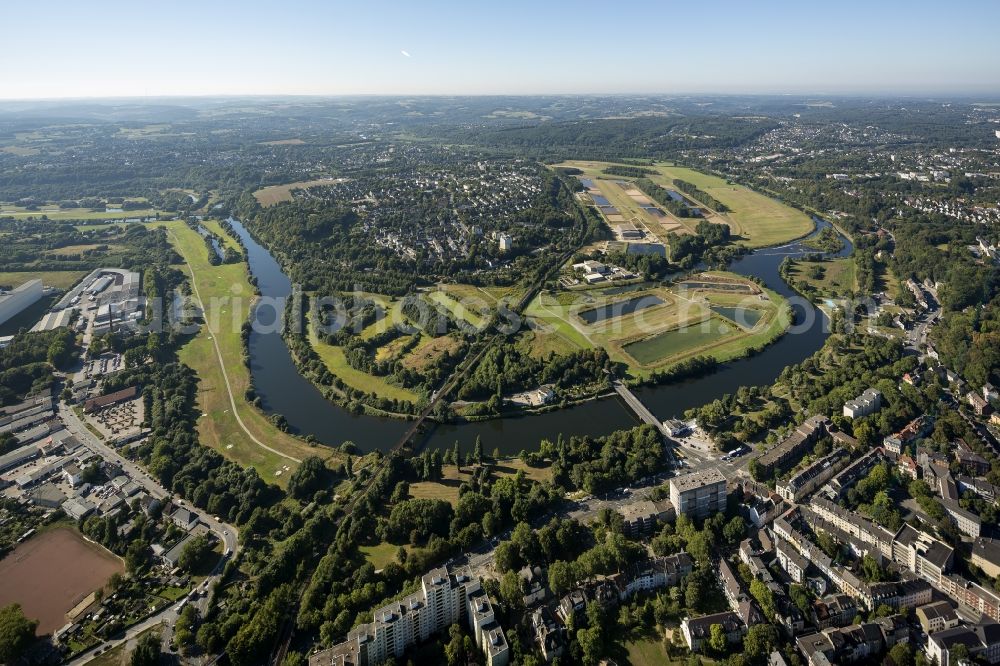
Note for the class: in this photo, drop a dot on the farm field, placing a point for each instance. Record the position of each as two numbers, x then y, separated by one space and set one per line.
429 351
218 428
57 279
52 572
56 213
697 316
275 194
758 220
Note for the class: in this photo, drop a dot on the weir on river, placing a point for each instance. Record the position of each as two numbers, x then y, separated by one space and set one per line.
283 390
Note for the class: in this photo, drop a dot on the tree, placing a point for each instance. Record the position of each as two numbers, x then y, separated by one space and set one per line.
901 654
195 553
734 530
147 651
760 641
511 591
16 632
717 638
454 650
310 476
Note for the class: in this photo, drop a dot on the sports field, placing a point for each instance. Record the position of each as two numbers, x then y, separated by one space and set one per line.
756 219
716 313
219 345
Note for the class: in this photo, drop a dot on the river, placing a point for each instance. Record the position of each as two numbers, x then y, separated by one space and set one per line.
283 390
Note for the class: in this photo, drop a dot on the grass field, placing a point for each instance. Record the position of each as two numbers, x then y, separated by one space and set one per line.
218 428
758 220
838 275
472 311
429 351
216 228
452 479
680 341
336 362
56 213
58 279
275 194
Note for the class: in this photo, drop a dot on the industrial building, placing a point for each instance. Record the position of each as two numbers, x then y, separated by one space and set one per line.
18 299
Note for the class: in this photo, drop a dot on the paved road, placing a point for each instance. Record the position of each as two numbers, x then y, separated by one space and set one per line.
227 534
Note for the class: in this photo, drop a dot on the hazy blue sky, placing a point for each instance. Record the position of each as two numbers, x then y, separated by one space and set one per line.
75 48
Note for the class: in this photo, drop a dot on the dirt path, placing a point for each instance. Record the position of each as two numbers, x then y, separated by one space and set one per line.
225 375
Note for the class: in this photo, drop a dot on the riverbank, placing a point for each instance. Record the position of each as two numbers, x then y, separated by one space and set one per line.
282 389
229 424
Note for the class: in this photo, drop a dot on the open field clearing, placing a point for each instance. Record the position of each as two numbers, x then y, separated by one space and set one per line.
21 151
834 277
218 427
715 313
275 194
283 142
52 572
758 220
429 351
393 349
57 213
447 488
58 279
467 309
336 362
216 228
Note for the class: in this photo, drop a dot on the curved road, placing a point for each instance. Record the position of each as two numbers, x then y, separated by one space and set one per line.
227 534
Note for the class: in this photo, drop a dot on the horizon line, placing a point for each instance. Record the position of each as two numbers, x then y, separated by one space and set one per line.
929 93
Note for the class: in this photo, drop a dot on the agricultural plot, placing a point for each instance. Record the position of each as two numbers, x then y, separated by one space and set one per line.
57 213
756 219
275 194
57 279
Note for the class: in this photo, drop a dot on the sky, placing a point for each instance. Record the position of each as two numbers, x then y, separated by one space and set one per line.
113 48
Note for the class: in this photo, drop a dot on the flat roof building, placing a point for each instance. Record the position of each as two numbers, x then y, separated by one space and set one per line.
699 493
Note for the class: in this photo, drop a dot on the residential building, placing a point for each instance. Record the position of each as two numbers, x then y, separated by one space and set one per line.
913 430
978 403
787 453
549 634
810 478
698 630
640 518
444 599
940 644
853 473
699 493
867 403
937 616
791 561
986 556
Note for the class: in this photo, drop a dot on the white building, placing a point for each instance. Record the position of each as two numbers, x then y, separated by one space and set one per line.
867 403
506 242
16 300
444 599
